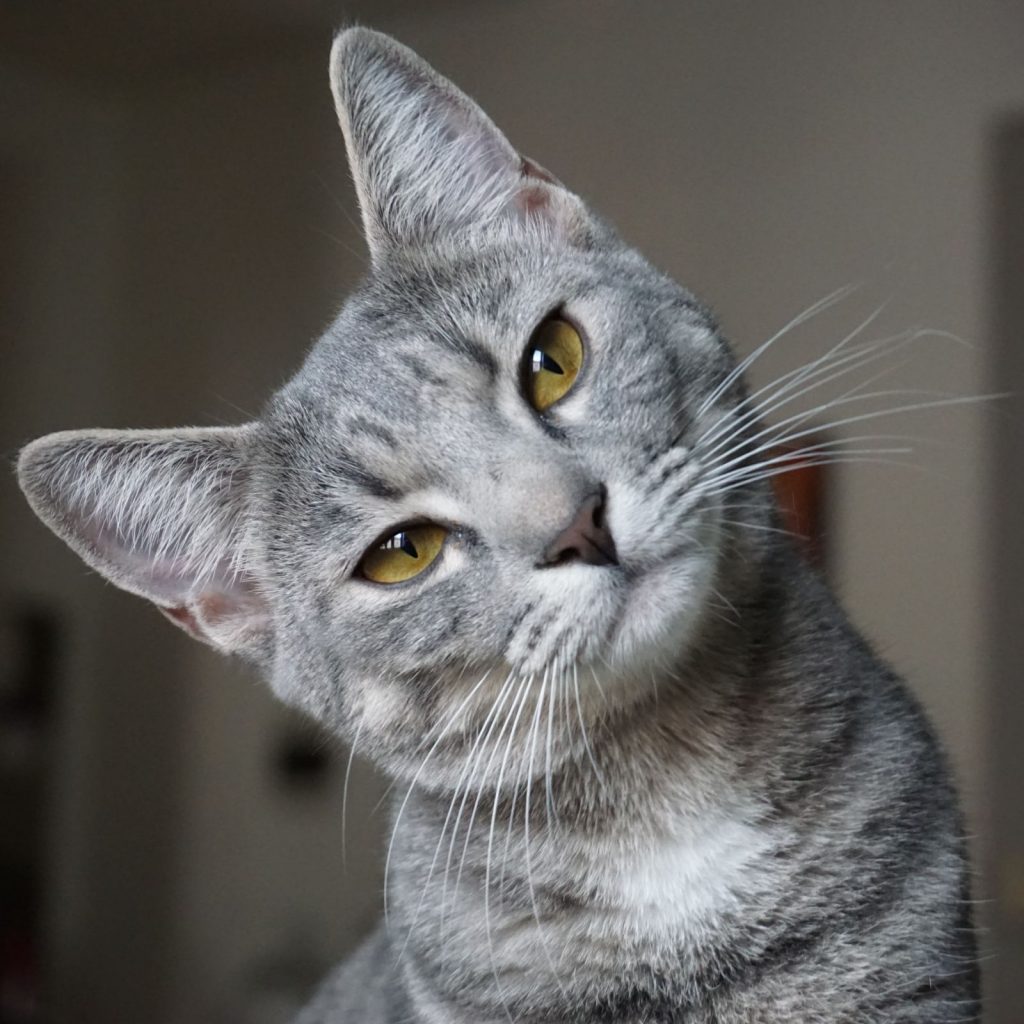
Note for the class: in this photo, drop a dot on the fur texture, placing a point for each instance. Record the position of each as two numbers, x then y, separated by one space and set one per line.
679 788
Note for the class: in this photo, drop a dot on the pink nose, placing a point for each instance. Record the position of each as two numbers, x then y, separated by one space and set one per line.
586 539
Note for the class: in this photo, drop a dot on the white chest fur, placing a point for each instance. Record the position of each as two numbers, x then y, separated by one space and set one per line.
677 885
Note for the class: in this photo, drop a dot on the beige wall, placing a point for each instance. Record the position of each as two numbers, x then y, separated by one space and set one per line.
241 260
763 153
115 756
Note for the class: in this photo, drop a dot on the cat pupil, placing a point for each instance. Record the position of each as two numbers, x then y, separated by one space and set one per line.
542 361
401 542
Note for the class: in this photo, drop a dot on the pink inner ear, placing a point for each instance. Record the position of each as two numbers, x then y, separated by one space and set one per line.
217 607
183 617
532 198
220 618
214 608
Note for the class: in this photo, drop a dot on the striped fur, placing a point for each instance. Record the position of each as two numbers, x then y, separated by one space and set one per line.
680 788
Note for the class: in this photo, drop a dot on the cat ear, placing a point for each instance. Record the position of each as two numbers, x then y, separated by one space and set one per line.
426 160
163 515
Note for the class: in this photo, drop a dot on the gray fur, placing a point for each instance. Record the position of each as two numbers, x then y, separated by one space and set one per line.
677 789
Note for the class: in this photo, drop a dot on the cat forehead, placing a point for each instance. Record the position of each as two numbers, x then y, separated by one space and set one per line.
393 399
409 342
418 377
411 364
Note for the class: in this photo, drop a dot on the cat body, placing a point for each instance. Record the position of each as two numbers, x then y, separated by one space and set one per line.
510 531
800 861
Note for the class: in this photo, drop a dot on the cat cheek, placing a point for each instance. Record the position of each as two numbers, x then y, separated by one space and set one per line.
384 709
662 612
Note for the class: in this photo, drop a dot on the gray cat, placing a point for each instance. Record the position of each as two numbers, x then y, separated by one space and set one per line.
510 530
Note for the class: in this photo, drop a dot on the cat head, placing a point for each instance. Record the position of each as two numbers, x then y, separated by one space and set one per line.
479 497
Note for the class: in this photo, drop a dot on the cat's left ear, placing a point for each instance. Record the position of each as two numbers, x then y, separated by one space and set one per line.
426 160
163 514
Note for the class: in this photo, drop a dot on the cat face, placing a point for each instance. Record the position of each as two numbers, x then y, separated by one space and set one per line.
479 492
426 419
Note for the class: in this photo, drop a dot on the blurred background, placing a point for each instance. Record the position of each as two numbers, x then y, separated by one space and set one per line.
176 228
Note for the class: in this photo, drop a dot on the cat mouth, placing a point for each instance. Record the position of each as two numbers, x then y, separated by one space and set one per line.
629 612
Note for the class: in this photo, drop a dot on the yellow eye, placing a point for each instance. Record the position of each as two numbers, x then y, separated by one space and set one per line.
406 553
553 360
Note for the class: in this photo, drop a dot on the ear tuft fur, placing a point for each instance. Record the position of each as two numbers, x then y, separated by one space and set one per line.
162 514
428 163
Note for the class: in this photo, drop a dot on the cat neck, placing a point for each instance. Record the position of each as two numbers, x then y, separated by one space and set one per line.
643 848
626 859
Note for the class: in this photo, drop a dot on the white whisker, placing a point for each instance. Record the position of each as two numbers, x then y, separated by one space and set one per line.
527 841
523 689
818 307
583 726
344 792
521 701
449 723
731 426
827 363
472 761
549 796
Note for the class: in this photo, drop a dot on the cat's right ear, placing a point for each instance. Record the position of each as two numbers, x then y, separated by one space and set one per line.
428 163
162 514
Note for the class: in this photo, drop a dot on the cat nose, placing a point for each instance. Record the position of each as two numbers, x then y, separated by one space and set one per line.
586 539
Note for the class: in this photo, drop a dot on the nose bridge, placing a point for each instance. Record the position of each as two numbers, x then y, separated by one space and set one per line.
536 489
